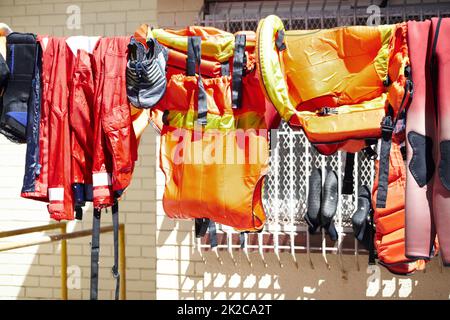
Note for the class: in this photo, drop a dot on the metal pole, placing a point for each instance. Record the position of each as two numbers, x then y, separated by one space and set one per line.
64 293
18 232
122 262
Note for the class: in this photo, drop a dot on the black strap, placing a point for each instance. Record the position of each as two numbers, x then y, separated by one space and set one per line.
194 58
238 71
371 240
279 41
201 226
95 252
370 153
212 234
434 65
190 60
78 212
387 128
242 239
115 268
347 186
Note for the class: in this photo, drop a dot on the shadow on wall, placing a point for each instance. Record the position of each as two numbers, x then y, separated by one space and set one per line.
212 280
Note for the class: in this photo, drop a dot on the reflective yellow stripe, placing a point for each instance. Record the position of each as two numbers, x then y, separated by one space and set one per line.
219 47
187 120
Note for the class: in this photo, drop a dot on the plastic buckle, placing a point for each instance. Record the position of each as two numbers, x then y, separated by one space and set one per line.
387 124
325 111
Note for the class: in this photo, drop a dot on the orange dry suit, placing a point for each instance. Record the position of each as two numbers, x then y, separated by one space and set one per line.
390 221
214 153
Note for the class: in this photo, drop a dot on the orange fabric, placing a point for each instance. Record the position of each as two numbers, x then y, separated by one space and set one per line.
343 69
208 68
214 173
390 221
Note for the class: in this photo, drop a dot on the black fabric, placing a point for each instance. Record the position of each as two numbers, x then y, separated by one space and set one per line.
32 166
347 184
279 41
331 231
329 204
4 73
330 197
434 65
21 57
115 268
194 58
212 234
444 164
78 213
312 216
190 60
421 165
387 127
238 71
95 253
371 236
361 217
201 226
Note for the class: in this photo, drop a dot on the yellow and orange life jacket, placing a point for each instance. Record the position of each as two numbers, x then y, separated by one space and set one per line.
215 169
337 84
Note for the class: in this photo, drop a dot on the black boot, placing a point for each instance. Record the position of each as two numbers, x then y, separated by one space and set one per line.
361 217
312 216
329 204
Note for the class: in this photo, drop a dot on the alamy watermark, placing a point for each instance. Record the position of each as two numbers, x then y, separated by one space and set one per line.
73 21
374 18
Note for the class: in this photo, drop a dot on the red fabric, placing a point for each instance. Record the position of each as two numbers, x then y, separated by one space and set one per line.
82 119
59 134
115 146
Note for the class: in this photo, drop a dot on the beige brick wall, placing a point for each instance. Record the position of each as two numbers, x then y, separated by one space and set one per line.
162 261
34 272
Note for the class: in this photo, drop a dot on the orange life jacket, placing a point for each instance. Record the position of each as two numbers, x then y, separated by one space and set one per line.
214 170
337 84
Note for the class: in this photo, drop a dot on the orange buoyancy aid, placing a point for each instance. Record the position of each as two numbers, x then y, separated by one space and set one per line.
213 40
390 221
337 84
214 169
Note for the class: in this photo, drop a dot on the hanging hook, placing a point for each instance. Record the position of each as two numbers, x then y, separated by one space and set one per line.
357 256
324 250
245 249
341 235
308 251
216 252
260 249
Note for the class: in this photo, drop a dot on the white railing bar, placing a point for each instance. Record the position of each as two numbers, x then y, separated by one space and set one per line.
291 203
282 247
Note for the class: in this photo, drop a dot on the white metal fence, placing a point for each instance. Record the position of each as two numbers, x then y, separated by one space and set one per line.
291 162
